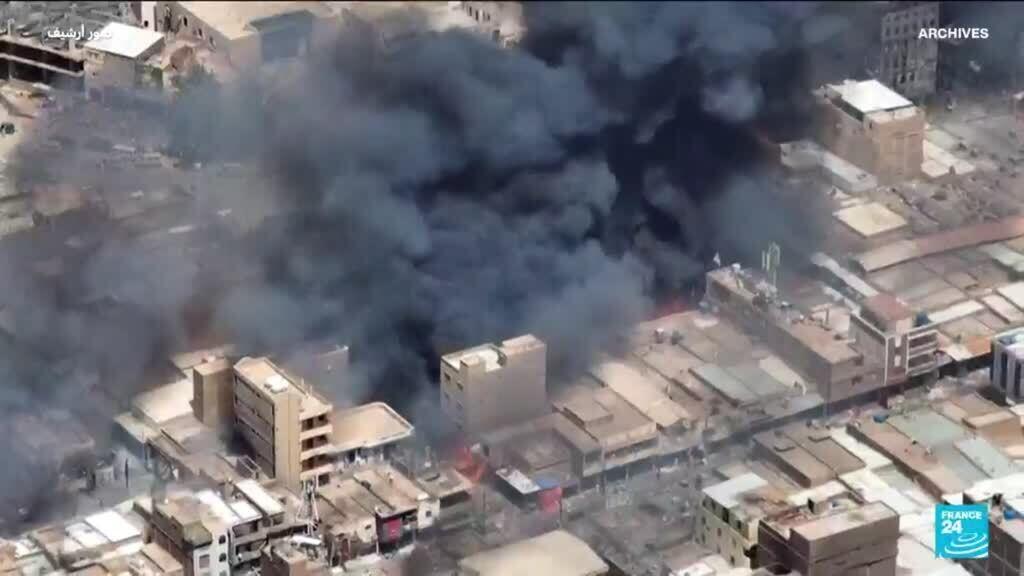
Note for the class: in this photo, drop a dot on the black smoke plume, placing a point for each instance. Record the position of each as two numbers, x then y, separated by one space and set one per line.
430 195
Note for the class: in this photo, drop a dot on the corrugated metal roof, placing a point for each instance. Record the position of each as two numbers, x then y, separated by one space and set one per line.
897 252
928 428
989 459
959 464
759 381
725 384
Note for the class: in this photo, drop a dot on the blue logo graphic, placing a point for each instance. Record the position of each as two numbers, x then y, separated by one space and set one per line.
961 531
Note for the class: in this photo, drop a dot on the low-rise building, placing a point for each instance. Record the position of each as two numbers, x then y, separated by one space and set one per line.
556 553
347 527
835 537
401 508
368 433
286 559
729 516
82 543
622 434
249 34
1005 542
118 58
874 128
891 334
192 534
492 386
839 369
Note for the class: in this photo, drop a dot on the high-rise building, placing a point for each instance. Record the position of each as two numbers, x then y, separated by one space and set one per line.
491 386
286 424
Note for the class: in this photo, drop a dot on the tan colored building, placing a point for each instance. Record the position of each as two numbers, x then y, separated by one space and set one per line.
730 513
839 370
808 455
249 33
493 386
119 58
837 537
620 433
557 553
193 535
286 425
369 432
213 393
874 128
887 331
284 559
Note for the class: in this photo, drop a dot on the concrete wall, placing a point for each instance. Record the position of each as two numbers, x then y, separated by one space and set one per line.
728 535
888 145
478 400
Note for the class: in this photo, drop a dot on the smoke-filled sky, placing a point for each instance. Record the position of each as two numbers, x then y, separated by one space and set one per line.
451 192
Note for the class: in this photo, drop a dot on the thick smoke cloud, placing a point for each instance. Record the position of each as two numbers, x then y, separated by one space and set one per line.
445 192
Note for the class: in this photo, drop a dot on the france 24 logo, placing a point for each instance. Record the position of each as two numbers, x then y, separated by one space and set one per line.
961 531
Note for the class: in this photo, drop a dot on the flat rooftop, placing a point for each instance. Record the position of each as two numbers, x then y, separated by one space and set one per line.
369 426
270 380
493 356
844 521
869 96
124 40
234 19
607 417
397 492
556 553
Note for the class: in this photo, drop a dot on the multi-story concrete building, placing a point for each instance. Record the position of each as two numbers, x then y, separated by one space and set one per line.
241 521
369 432
492 386
889 333
908 63
286 559
213 393
192 534
837 537
874 128
1007 366
728 520
117 59
611 433
249 34
286 425
839 369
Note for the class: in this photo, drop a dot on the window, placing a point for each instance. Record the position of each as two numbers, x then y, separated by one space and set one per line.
213 44
184 21
222 539
897 361
222 558
856 380
204 561
1016 380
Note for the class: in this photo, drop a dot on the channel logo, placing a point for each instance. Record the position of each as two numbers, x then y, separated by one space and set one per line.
961 531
